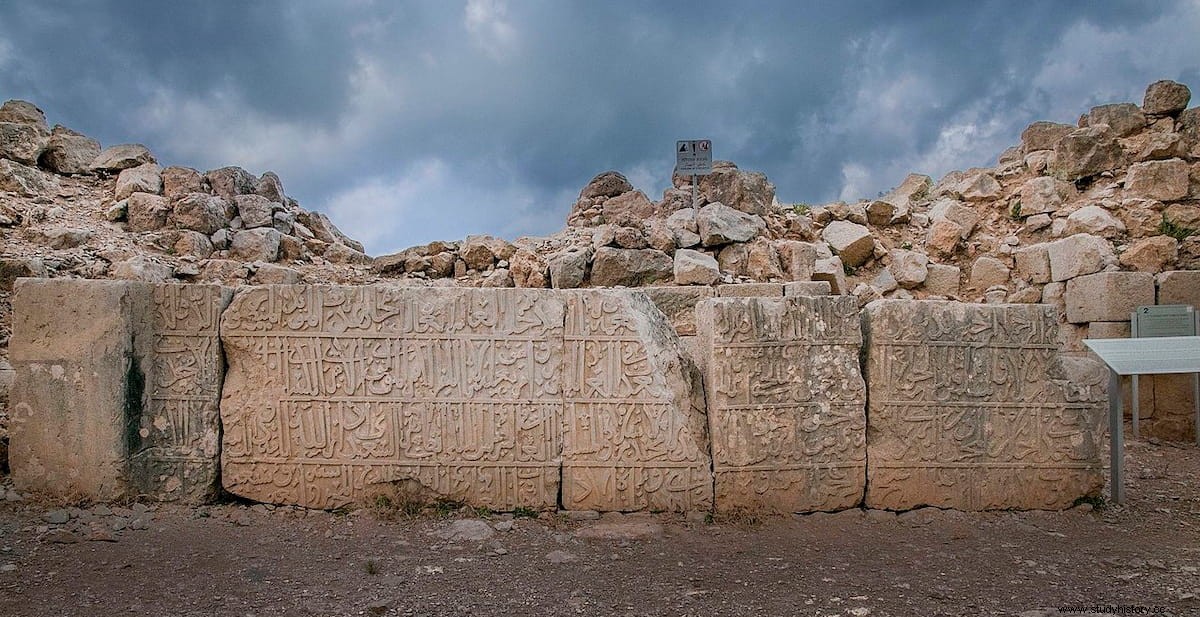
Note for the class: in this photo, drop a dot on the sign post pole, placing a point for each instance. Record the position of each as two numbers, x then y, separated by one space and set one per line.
1116 440
693 190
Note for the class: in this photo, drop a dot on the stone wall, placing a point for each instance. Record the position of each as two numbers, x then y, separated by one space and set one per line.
580 399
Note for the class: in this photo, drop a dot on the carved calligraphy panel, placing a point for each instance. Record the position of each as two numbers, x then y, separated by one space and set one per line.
786 402
176 455
972 408
332 391
634 433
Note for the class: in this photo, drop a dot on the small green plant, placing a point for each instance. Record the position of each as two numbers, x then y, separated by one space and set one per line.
906 245
1175 230
443 508
524 512
1097 501
482 512
849 269
371 568
801 208
1014 212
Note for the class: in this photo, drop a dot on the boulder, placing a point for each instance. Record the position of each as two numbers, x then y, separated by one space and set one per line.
193 244
200 212
908 268
1165 98
988 272
746 191
852 242
762 261
259 244
1094 220
943 280
22 143
720 224
1123 118
69 152
229 182
695 268
944 237
569 269
1107 296
63 238
979 186
1161 180
24 180
1032 263
607 184
121 157
1043 135
630 208
179 182
326 231
630 267
1086 152
912 191
255 210
146 212
1044 195
271 274
797 259
13 268
1179 287
1153 254
529 269
17 111
476 251
1078 255
832 271
145 178
342 254
270 186
141 268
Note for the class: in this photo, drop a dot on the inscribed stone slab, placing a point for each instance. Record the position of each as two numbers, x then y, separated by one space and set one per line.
972 408
634 435
786 402
333 392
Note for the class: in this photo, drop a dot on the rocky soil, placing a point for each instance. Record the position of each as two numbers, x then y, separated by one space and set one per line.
232 559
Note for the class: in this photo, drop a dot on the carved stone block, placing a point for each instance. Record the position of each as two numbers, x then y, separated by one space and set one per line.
634 427
786 402
972 408
333 393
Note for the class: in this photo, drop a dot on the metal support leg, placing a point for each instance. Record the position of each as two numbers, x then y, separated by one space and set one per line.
1116 440
1196 401
1135 406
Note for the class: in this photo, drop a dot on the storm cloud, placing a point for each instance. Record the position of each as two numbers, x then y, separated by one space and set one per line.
414 121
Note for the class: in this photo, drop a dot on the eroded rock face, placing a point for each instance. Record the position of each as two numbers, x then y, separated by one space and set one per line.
786 402
972 408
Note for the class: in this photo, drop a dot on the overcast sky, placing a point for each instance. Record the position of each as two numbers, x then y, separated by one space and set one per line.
408 122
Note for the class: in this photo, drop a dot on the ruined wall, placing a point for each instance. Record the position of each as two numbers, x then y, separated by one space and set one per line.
580 399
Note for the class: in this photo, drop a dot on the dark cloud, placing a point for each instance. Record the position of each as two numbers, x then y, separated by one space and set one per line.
415 121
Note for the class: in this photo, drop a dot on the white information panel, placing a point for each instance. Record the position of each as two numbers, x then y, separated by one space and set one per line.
1146 356
693 157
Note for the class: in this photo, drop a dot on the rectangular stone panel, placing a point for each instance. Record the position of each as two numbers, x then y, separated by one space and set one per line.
634 435
973 408
786 402
176 454
334 392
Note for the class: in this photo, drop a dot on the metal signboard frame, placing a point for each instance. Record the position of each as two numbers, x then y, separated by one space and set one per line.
693 156
1133 356
1160 321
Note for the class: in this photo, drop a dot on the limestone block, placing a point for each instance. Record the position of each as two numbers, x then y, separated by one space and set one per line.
909 268
679 305
797 258
832 271
78 388
145 178
1108 296
1032 263
255 210
988 272
972 408
199 212
1179 287
786 402
1086 152
568 269
1044 195
1162 180
750 290
146 212
635 435
719 224
69 152
1152 255
178 182
851 242
1094 220
807 288
22 143
1078 255
1043 135
335 393
121 157
1108 329
1165 97
943 280
695 268
1123 118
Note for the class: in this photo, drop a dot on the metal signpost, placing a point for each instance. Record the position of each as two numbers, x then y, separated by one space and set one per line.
1159 321
1132 356
693 157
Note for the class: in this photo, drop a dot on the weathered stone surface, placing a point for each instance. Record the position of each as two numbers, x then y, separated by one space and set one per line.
13 268
1078 255
1107 296
1086 152
229 182
944 237
334 253
529 269
121 157
850 241
270 186
178 182
972 408
796 258
1032 263
719 224
1044 195
259 244
679 305
832 271
200 212
335 393
1166 97
909 268
1179 287
607 184
117 389
747 191
69 152
569 269
628 208
987 272
1094 220
255 210
1161 180
695 268
630 267
141 268
1122 118
24 180
807 288
635 435
23 112
786 402
23 143
146 178
1152 255
1043 135
750 290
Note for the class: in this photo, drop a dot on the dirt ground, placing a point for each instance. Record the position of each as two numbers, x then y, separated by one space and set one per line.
242 559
